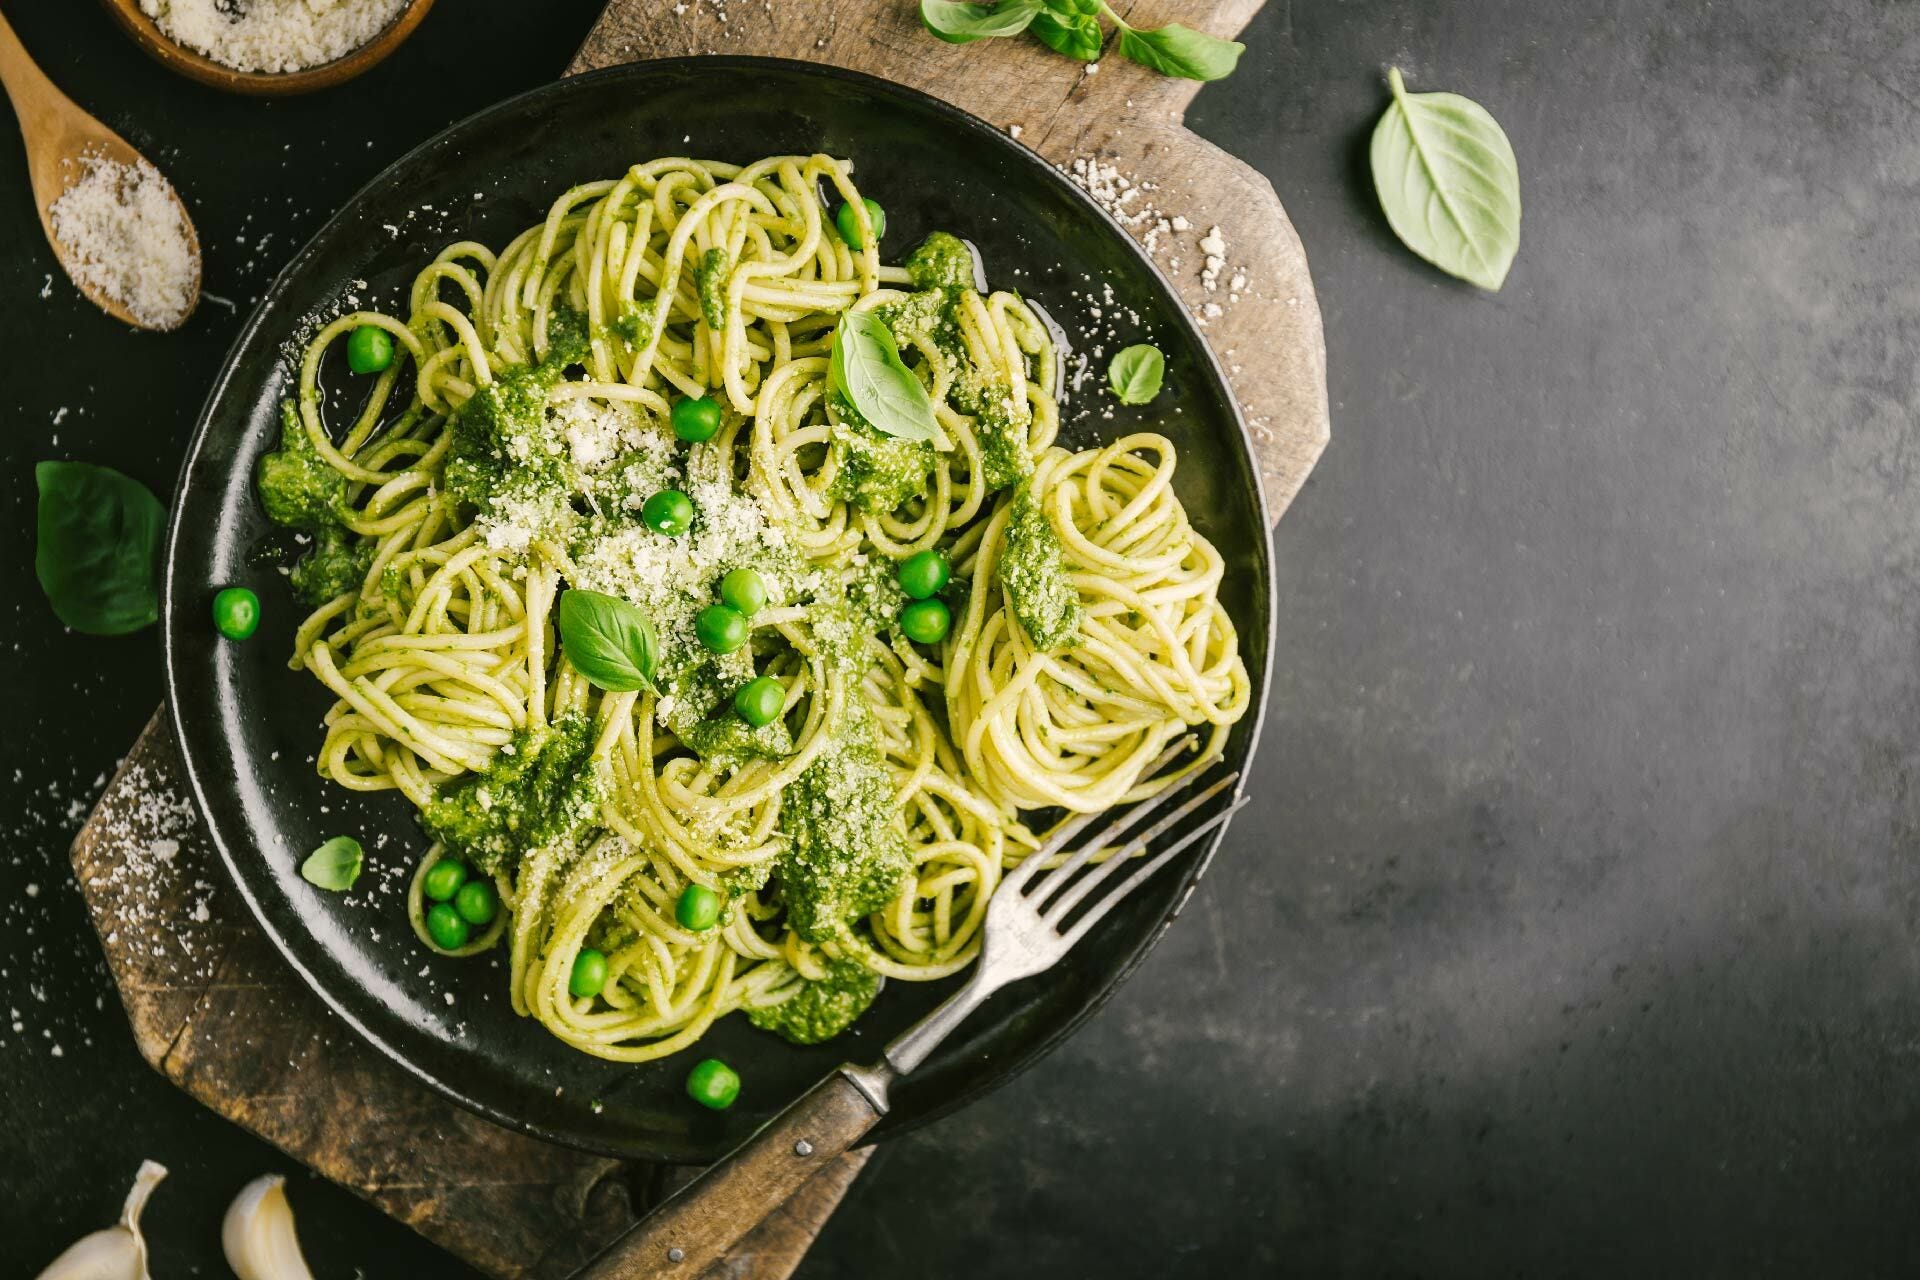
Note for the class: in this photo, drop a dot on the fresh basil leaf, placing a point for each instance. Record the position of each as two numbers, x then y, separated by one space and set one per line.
960 23
867 370
334 865
98 547
1076 34
1174 50
1449 183
1136 373
608 641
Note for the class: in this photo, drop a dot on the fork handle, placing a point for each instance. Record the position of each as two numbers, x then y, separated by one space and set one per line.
707 1217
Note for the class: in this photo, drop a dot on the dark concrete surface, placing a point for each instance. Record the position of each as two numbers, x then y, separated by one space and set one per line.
1575 929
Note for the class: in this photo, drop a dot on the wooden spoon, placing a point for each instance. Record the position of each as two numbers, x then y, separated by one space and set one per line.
61 139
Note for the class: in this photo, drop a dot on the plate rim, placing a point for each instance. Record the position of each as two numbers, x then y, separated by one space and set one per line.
953 116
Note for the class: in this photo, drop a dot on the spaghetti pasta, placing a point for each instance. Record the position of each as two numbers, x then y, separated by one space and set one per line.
509 454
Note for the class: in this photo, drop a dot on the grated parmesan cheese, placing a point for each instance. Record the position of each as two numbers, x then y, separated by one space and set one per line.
127 238
1130 202
273 35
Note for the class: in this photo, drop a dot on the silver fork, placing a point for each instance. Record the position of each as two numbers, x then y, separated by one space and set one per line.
1027 931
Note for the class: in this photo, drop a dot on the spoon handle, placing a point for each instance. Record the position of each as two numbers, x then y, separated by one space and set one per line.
34 96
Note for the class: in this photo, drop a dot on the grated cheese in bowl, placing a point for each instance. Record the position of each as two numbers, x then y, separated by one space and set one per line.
273 36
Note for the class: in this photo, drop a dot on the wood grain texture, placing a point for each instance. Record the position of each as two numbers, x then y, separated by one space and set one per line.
695 1229
215 1009
1267 334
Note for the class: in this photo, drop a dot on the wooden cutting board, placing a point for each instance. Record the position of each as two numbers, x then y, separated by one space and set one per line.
218 1013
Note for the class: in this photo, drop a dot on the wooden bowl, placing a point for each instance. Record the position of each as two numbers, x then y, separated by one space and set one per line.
163 49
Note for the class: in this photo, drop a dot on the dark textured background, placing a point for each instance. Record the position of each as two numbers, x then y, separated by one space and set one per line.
1574 931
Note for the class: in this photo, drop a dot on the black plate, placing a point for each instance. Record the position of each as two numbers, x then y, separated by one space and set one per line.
249 726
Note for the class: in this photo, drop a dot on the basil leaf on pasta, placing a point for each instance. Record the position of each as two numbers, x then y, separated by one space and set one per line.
1174 50
608 641
1449 183
958 23
1136 373
335 865
867 370
98 547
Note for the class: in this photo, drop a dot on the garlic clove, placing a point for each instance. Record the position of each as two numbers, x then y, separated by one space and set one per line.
258 1233
119 1252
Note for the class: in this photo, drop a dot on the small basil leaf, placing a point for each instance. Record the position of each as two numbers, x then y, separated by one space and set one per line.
867 370
1174 50
608 641
960 23
1077 35
334 865
1136 372
1449 183
98 547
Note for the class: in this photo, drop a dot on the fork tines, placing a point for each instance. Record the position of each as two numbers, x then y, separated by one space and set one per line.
1057 892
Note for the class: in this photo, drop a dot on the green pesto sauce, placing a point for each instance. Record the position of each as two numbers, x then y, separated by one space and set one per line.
337 564
926 320
632 326
1004 454
1033 571
876 473
873 600
723 738
298 486
1000 422
710 282
540 790
941 262
845 856
494 455
821 1010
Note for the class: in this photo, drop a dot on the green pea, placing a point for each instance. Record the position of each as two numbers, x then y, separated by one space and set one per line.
369 349
924 573
712 1083
698 908
926 621
759 701
721 629
744 590
850 229
477 902
443 878
448 931
696 420
668 511
589 976
236 612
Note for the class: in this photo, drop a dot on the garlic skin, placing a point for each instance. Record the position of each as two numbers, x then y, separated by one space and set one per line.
258 1234
119 1252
